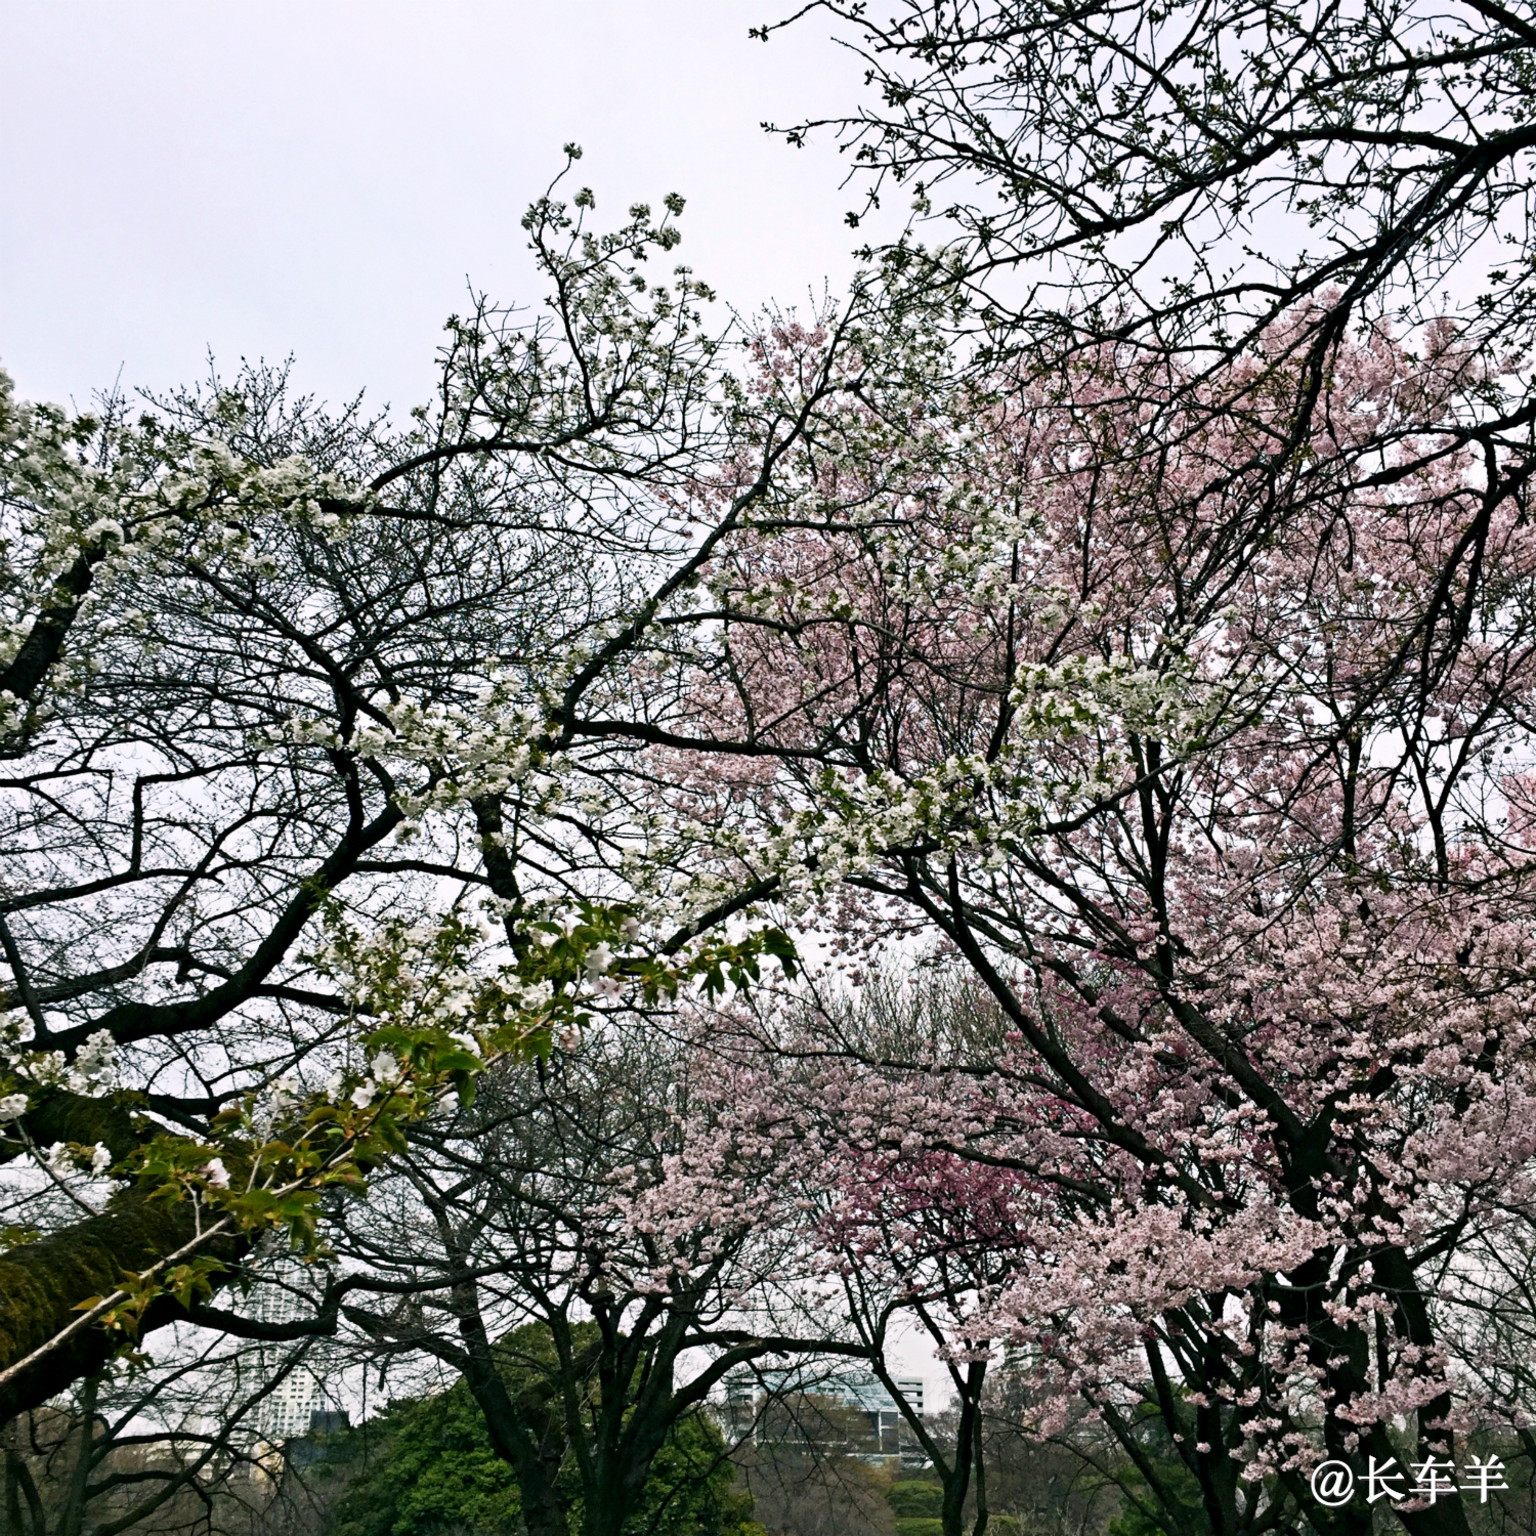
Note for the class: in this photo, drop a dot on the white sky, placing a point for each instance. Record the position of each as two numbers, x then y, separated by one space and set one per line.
321 177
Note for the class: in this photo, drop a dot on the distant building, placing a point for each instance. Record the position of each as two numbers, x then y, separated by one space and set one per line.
851 1412
313 1446
288 1409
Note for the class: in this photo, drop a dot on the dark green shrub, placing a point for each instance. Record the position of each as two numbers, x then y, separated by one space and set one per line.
910 1500
920 1525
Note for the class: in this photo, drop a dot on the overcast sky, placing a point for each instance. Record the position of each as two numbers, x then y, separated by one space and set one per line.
321 177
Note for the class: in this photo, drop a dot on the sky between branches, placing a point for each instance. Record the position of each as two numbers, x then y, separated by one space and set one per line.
321 177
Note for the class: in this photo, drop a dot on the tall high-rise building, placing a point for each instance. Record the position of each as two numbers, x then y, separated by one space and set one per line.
286 1410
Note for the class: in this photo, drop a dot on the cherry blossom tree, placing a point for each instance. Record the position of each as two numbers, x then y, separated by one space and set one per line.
593 1247
914 1240
314 801
1170 697
1181 179
1231 823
